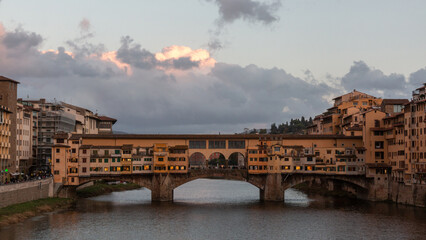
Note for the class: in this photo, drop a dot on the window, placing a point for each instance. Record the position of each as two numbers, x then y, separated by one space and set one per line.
197 144
58 150
61 140
106 152
106 160
84 160
117 151
276 149
217 144
84 151
73 150
379 144
237 144
57 160
376 123
84 169
160 159
56 172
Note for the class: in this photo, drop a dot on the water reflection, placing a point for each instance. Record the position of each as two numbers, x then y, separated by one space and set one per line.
217 209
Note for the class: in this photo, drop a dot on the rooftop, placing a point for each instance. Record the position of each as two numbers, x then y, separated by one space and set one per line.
5 79
214 136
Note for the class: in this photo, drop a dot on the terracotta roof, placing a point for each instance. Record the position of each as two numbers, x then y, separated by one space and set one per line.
60 135
395 101
75 137
215 136
107 119
5 79
85 146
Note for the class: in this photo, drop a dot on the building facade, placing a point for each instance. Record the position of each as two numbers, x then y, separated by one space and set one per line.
8 99
78 156
5 146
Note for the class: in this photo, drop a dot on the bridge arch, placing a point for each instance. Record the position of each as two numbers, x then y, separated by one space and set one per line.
237 160
331 182
236 175
217 160
142 181
197 160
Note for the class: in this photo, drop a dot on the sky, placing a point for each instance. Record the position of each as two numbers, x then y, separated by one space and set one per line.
209 66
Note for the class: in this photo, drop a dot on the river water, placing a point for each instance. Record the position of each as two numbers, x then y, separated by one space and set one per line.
220 209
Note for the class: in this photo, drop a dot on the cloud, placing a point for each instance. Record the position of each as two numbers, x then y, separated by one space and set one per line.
418 78
84 25
176 90
246 10
364 78
173 57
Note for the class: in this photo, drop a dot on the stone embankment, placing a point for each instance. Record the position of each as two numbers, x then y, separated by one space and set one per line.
26 191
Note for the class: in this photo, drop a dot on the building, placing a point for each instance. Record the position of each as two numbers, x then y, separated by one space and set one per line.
8 99
25 137
77 156
5 146
415 137
54 117
344 116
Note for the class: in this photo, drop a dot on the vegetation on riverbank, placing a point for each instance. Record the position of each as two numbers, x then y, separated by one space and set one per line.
100 188
21 211
314 189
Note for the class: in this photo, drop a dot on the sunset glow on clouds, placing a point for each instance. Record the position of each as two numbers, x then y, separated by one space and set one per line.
176 52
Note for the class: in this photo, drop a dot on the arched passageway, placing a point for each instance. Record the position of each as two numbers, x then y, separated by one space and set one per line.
217 160
237 161
197 161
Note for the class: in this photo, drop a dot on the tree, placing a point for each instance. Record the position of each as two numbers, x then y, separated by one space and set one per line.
274 129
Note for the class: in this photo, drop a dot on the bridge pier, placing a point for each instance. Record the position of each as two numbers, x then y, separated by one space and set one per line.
273 190
162 188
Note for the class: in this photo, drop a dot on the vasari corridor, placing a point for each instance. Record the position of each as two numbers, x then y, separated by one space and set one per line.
212 119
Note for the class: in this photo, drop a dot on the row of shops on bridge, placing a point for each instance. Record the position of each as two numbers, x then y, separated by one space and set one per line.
76 156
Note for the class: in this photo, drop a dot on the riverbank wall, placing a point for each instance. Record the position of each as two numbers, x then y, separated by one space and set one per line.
414 194
26 191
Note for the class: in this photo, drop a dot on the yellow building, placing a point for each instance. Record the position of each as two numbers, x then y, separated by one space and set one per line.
5 133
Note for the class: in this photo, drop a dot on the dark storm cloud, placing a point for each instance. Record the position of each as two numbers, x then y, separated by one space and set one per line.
364 78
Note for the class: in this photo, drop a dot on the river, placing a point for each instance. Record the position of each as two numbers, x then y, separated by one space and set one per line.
220 209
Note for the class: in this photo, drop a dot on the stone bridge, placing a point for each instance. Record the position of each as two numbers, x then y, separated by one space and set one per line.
271 186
